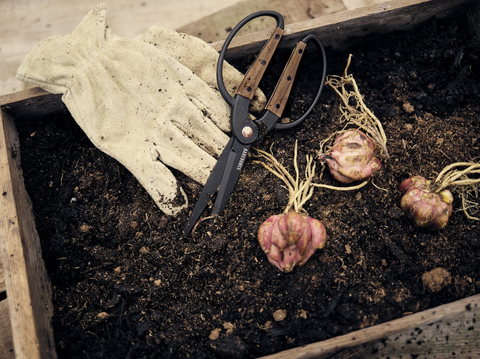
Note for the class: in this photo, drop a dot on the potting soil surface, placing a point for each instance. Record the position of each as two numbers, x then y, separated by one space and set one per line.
127 284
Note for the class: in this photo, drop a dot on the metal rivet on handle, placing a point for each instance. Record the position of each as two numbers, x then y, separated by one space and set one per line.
247 132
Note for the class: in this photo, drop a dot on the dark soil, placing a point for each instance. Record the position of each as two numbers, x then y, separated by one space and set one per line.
126 284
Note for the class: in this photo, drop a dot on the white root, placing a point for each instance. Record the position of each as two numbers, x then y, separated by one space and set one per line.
299 191
458 175
359 115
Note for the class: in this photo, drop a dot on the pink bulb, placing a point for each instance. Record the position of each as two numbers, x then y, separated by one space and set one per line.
352 157
291 239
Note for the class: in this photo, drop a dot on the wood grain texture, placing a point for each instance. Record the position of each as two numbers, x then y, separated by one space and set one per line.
464 310
253 76
217 26
31 102
457 336
2 279
279 97
337 29
26 281
355 4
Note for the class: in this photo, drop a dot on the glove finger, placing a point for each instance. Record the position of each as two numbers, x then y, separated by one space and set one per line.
180 152
195 122
199 57
210 111
169 197
202 112
154 176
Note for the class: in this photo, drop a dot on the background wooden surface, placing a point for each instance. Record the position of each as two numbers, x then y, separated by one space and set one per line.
24 23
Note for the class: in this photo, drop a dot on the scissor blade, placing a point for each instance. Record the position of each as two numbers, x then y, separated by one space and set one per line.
236 159
210 188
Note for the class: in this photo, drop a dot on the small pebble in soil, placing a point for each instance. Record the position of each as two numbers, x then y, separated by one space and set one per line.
279 315
408 108
214 334
436 279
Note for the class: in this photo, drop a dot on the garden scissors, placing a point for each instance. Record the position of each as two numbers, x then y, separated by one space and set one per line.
245 131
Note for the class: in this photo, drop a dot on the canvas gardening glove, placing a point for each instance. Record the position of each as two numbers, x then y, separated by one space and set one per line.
148 102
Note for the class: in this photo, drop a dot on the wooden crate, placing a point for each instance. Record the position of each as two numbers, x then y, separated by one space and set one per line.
26 280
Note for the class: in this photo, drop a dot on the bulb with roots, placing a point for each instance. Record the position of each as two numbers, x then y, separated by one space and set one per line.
427 208
291 239
352 157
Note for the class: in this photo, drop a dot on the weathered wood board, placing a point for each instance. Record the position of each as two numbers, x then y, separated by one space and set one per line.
26 280
337 29
2 279
400 331
456 336
31 102
217 26
355 4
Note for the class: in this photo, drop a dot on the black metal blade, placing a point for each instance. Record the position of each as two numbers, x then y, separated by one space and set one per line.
213 182
238 155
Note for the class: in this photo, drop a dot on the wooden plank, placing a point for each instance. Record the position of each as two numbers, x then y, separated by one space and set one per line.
217 26
6 340
459 334
355 4
26 281
24 95
336 29
6 343
384 330
31 102
2 280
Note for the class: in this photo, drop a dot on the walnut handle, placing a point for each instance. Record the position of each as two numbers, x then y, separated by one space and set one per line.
253 76
279 98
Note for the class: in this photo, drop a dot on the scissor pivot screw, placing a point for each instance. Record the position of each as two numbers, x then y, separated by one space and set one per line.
247 132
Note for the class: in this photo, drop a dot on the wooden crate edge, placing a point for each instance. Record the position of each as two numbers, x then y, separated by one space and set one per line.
31 102
381 331
336 29
28 286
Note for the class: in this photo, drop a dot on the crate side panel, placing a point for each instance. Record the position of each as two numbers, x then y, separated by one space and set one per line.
31 102
338 29
442 313
26 281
